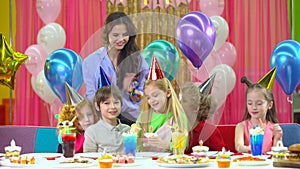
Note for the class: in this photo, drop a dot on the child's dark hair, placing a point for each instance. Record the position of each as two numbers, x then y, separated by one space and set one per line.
105 92
271 113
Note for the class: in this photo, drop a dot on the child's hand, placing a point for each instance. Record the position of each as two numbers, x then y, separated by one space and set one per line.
277 132
156 141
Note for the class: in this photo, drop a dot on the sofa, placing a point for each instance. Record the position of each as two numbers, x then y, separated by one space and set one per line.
36 139
41 139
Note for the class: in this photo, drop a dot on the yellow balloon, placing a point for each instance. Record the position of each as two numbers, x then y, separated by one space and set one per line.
10 61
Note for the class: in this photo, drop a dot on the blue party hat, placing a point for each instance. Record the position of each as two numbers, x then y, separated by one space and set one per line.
103 79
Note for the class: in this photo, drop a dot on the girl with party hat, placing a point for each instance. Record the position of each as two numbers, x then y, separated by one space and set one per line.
161 111
199 105
260 112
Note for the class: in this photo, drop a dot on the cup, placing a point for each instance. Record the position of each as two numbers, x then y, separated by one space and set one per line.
106 163
68 145
256 141
179 142
129 142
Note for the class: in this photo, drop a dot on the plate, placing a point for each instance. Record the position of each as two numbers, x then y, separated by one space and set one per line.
183 165
126 165
93 156
150 154
48 156
75 165
254 163
7 163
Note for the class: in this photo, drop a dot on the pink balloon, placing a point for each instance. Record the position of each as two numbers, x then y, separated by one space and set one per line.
212 7
227 54
48 10
36 59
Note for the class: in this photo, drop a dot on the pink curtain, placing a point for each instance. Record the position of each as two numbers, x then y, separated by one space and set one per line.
81 20
255 28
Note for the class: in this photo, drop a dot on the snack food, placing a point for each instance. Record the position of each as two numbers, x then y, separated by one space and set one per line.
294 152
279 151
249 158
223 159
12 150
183 160
200 151
22 160
123 159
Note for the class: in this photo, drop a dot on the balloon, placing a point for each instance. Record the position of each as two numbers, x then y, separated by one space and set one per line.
212 7
224 82
10 61
286 57
63 65
167 56
41 88
227 54
36 59
195 36
48 10
221 27
52 36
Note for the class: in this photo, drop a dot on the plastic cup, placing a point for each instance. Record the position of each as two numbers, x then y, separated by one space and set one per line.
129 141
106 163
68 145
179 143
256 144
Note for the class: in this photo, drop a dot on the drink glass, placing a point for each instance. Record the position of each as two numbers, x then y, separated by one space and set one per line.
256 141
68 145
129 142
179 142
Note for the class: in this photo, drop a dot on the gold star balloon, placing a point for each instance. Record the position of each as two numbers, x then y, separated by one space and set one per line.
10 61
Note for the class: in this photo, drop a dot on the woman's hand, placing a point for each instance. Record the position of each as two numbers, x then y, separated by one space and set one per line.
277 133
127 82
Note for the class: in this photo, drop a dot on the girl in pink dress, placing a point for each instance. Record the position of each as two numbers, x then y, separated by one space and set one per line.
260 111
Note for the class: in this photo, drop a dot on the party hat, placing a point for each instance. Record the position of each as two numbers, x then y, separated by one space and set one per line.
103 79
71 95
268 80
205 87
155 71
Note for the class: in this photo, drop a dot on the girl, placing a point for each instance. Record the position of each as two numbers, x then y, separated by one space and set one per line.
159 112
121 60
198 107
85 115
106 134
260 111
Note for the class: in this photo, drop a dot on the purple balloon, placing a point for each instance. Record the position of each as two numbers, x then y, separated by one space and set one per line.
195 36
286 57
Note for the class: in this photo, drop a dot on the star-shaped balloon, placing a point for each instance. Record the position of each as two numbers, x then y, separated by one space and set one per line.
10 61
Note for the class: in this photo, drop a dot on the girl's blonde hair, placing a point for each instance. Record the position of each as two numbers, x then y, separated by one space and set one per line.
173 105
86 102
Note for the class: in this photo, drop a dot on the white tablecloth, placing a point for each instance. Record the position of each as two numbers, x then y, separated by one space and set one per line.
143 161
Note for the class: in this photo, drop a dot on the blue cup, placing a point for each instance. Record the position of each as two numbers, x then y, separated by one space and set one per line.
129 141
256 142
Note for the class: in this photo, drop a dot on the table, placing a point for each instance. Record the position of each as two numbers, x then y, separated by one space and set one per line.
142 162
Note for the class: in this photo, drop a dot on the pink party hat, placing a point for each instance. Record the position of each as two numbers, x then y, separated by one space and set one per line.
155 71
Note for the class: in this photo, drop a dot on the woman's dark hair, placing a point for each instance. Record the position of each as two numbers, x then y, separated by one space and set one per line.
271 113
129 59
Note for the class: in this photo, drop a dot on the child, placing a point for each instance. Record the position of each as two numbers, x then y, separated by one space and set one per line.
160 109
84 115
198 107
260 111
106 134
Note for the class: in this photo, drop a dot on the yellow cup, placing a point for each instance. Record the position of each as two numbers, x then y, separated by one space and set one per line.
179 142
106 163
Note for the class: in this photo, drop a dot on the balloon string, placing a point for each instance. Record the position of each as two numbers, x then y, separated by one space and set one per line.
289 100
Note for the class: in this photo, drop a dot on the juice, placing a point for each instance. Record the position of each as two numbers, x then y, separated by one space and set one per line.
68 144
179 143
129 141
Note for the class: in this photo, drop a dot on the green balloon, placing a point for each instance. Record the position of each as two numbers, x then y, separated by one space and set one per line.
167 56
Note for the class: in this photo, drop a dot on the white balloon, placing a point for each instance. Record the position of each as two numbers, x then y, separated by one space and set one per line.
224 82
52 36
41 88
222 29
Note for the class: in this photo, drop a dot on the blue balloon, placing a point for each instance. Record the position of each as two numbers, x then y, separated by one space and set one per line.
63 65
286 57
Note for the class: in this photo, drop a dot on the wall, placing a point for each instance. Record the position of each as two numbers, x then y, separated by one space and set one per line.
4 29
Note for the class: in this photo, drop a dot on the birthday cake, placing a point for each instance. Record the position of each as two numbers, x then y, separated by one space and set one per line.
12 150
200 150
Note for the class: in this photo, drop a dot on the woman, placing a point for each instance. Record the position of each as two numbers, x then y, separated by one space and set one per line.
121 60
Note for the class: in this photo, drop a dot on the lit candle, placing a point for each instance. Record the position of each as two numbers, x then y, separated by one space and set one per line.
200 142
145 2
168 1
12 143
